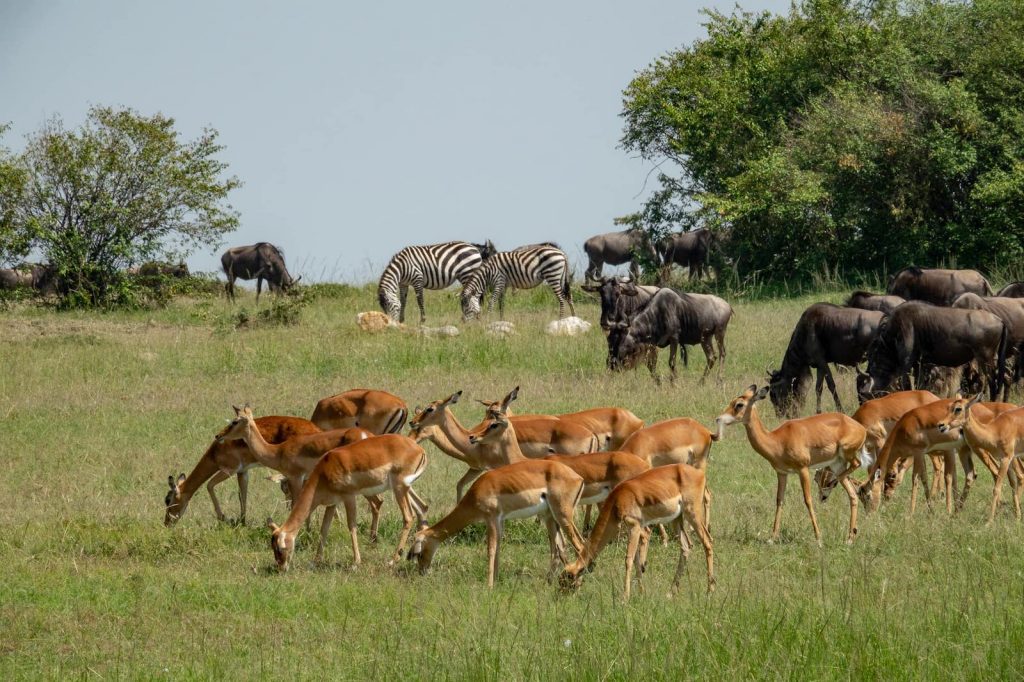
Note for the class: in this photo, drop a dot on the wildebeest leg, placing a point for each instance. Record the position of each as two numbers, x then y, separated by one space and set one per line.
817 388
709 354
720 338
652 360
831 387
230 286
259 287
594 268
672 349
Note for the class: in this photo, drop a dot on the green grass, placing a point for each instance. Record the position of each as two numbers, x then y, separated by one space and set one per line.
97 409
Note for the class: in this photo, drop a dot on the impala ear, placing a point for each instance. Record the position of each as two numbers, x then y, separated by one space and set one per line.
170 481
752 388
271 525
512 395
453 398
762 394
237 409
181 479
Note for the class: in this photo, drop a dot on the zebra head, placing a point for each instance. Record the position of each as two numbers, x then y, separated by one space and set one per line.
472 296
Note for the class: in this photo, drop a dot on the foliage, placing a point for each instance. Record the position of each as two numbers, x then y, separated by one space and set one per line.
120 190
864 135
284 311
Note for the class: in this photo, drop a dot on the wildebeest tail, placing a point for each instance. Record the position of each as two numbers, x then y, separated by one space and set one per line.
394 424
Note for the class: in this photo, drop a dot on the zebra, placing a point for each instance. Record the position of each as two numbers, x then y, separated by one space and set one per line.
433 266
523 268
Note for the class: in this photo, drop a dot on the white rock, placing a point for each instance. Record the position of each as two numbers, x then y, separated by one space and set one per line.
569 326
447 330
501 328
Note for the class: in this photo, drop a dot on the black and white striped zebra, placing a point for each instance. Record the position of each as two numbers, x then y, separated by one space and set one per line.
433 266
524 268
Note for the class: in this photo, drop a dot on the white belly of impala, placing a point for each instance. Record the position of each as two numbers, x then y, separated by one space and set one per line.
665 519
376 490
598 498
526 512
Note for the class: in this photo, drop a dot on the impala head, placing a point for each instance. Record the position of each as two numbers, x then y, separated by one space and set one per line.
572 575
417 431
283 544
489 430
738 410
432 414
424 544
172 501
956 415
236 428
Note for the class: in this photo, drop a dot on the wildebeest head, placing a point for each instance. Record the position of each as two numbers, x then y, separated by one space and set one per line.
623 349
608 290
787 391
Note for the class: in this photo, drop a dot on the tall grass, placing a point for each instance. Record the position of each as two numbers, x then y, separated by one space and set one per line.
97 409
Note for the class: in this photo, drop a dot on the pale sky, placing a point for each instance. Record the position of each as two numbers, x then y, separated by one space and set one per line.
359 128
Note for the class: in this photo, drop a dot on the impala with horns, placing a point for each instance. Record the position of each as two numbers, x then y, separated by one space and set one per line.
378 412
1001 436
831 440
367 467
662 495
224 459
521 490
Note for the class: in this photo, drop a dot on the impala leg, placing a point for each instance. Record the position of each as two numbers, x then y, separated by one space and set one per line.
325 527
705 539
1004 465
374 503
967 462
243 494
916 477
938 474
419 505
851 490
586 518
563 511
707 509
217 479
949 477
805 486
492 549
640 560
664 535
635 531
402 498
468 478
350 519
556 553
780 495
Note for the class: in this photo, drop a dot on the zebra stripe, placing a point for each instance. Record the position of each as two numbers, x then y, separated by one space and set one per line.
433 266
524 268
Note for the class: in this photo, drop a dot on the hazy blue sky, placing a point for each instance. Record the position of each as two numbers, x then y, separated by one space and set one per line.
359 128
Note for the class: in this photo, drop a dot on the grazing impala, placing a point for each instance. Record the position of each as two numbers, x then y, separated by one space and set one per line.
364 468
1002 436
831 440
378 412
664 494
611 425
918 433
526 488
479 457
221 460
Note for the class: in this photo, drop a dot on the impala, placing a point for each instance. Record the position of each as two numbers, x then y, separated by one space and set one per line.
612 425
831 440
378 412
1002 436
364 468
479 457
661 495
220 461
520 490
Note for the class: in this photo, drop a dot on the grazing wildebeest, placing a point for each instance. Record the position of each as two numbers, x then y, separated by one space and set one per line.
671 319
936 286
615 306
824 334
918 333
1011 312
155 268
686 249
1012 290
616 248
260 261
41 278
865 300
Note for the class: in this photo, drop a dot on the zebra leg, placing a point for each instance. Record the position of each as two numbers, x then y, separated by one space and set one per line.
403 295
498 294
417 285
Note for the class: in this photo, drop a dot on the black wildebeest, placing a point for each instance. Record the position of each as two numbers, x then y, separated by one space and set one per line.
865 300
918 333
686 249
616 248
672 319
1011 312
936 286
41 278
260 261
615 306
1012 290
824 334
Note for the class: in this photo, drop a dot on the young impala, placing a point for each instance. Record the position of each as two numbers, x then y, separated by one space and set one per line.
526 488
367 467
830 440
221 460
661 495
1002 436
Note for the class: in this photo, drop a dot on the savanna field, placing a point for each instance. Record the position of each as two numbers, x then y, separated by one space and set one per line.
96 409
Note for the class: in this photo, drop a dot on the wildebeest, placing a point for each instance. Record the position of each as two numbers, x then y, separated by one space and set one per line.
918 333
41 278
672 319
1012 290
1011 312
937 286
824 334
155 268
616 248
260 261
615 306
865 300
686 249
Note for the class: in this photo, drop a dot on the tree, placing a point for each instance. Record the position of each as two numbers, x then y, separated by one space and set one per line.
866 135
120 190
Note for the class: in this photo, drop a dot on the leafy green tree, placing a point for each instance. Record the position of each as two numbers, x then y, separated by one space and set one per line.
120 190
867 135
